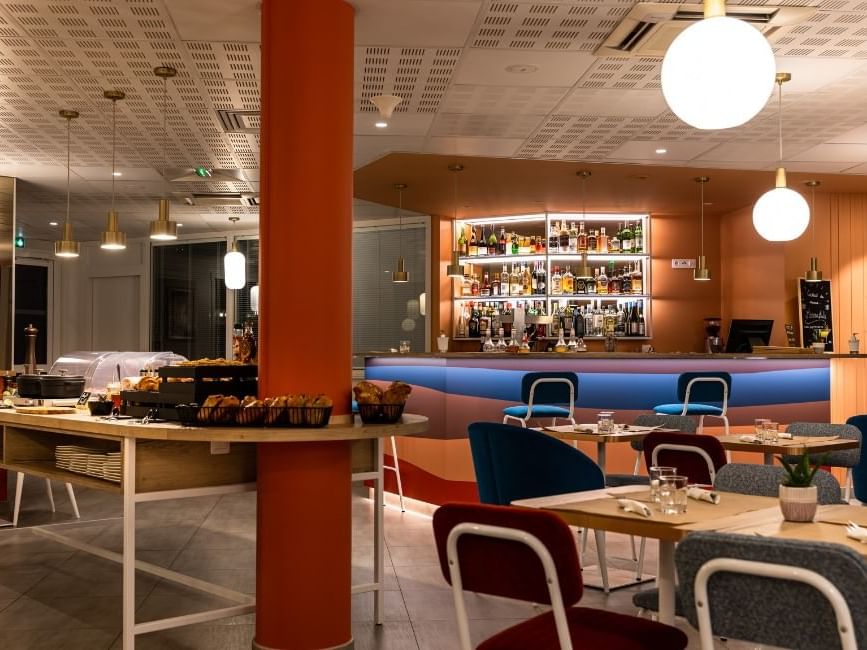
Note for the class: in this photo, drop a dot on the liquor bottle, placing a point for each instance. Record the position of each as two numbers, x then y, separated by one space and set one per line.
613 280
626 238
582 239
488 343
573 238
515 285
580 285
485 289
592 238
542 280
564 238
501 245
614 241
526 281
620 325
609 321
555 317
556 282
473 328
572 344
466 286
588 321
540 245
496 289
484 321
515 247
534 279
474 285
637 279
636 324
625 282
483 242
602 241
474 245
501 345
591 284
598 320
462 322
602 282
567 282
578 322
463 245
506 319
553 240
638 238
642 323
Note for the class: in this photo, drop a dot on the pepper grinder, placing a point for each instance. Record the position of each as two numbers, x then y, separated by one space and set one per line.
30 333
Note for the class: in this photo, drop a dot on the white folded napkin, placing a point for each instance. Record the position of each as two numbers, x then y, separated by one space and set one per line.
784 436
630 505
748 438
855 531
700 494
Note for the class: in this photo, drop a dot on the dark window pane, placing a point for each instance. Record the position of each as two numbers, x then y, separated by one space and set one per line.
31 307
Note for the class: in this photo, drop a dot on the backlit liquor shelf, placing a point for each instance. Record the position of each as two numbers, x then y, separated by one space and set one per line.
558 269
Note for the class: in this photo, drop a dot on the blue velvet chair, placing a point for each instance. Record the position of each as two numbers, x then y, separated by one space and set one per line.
514 463
701 394
859 472
545 395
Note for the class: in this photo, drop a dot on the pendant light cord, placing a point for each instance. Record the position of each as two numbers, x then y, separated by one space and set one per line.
165 111
702 217
400 219
113 140
68 147
780 119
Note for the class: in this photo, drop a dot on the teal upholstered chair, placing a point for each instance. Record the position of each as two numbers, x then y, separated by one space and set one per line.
545 395
701 394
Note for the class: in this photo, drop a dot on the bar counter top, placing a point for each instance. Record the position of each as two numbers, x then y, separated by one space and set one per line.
609 355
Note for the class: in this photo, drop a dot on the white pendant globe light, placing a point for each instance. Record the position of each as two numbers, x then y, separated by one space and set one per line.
781 214
719 72
235 265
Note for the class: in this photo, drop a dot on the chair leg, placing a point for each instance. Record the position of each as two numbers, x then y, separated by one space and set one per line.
396 470
639 569
700 424
638 455
600 555
50 494
72 500
632 548
19 488
848 494
585 532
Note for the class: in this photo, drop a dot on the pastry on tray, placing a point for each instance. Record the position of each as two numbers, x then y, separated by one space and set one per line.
397 393
275 409
207 409
367 393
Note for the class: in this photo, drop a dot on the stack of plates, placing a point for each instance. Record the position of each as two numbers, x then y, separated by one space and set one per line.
91 462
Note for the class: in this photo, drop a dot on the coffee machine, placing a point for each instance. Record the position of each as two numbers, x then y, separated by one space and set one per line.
712 342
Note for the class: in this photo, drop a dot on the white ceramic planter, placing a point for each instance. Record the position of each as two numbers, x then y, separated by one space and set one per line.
798 503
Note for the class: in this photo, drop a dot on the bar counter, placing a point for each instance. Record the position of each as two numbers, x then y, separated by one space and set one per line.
455 389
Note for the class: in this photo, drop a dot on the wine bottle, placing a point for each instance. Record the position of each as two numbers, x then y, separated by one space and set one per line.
474 245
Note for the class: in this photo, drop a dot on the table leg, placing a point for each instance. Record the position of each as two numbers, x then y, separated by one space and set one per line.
128 566
600 455
379 538
665 582
769 459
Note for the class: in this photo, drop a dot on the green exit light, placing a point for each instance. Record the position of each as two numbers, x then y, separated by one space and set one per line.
19 241
204 172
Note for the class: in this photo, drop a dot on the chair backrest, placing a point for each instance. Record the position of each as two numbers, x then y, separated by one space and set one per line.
773 611
549 387
685 455
716 390
516 463
847 458
764 481
859 472
682 423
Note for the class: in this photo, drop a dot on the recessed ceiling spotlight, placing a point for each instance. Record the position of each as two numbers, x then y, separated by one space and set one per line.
661 150
52 223
180 225
380 124
522 68
117 173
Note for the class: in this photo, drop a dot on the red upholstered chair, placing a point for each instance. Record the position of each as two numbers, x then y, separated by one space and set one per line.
696 456
530 555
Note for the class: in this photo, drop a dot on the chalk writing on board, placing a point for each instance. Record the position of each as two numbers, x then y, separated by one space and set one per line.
814 307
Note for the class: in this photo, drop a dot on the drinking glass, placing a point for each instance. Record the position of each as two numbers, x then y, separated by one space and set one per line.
655 473
672 495
771 431
404 347
605 422
760 428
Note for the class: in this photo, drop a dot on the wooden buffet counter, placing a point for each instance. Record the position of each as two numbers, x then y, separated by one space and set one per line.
169 461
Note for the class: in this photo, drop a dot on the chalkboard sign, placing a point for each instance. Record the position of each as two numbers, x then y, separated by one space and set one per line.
814 303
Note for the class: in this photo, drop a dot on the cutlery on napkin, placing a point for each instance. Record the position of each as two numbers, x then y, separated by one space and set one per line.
700 494
855 531
748 438
630 505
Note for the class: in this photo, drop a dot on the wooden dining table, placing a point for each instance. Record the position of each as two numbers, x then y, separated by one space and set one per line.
796 446
598 509
589 433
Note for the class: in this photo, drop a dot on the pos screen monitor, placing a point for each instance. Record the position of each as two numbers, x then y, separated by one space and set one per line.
744 334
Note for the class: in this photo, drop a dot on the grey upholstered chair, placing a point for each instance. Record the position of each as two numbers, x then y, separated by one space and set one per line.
748 598
764 481
848 458
680 422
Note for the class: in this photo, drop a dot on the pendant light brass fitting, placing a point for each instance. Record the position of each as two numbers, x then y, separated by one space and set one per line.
164 229
400 274
114 95
714 8
69 115
702 273
783 77
583 174
455 269
584 270
112 239
814 274
165 72
67 246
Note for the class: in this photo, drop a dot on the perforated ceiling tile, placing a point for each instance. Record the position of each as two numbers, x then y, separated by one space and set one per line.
496 126
501 99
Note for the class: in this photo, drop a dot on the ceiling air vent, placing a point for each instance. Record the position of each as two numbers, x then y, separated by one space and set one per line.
650 27
213 199
237 121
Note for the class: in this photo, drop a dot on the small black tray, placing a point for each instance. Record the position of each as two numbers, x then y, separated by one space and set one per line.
254 416
380 413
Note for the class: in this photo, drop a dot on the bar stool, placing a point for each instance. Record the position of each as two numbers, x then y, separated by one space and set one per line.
542 393
694 390
392 468
19 488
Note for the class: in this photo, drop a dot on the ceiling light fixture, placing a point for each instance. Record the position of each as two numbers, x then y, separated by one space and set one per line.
718 73
781 214
400 274
814 274
117 173
235 264
661 151
164 229
113 239
455 269
67 246
702 273
52 223
584 271
385 104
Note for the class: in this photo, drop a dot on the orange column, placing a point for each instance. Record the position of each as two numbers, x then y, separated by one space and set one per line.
304 511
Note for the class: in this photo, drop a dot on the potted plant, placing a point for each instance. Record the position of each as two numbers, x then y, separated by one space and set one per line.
798 495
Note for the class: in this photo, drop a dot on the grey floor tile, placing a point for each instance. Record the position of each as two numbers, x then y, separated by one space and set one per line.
364 574
62 613
87 575
196 637
15 581
168 599
420 576
5 602
395 609
392 635
56 639
407 555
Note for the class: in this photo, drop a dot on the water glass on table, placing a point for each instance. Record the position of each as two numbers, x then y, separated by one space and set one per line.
759 429
605 422
771 432
672 495
656 472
